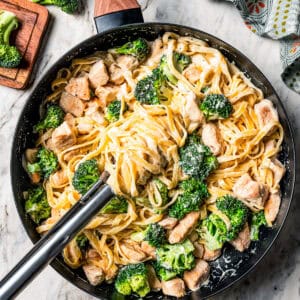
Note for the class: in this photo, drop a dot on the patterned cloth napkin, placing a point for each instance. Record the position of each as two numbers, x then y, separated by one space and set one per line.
280 20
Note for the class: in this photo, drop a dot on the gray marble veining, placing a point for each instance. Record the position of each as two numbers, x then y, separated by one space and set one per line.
278 276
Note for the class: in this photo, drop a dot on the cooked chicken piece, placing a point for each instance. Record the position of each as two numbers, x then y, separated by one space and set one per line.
210 255
148 249
272 207
195 277
247 189
106 94
93 254
156 53
84 128
174 287
265 112
127 62
278 170
98 75
59 178
270 146
211 138
94 274
63 136
79 87
93 112
30 155
35 177
192 73
154 282
242 241
116 74
184 227
132 251
69 118
199 250
192 110
168 223
71 104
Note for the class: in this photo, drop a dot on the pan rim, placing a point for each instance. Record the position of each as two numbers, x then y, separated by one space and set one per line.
57 264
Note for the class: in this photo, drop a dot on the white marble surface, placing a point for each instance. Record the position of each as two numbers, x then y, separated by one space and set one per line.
278 276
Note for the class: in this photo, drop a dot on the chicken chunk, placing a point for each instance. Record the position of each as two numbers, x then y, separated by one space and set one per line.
174 287
265 112
63 136
98 75
154 282
242 241
199 250
132 251
148 249
71 104
192 110
210 255
94 274
272 207
195 277
59 178
93 112
278 170
211 138
156 53
184 227
79 87
116 74
84 128
168 223
127 62
106 94
192 73
252 191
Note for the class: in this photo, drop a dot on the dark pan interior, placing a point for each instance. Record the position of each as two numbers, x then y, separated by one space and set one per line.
232 265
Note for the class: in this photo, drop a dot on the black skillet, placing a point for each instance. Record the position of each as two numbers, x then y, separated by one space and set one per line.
232 265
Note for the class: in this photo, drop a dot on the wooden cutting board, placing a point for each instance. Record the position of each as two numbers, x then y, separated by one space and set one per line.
33 21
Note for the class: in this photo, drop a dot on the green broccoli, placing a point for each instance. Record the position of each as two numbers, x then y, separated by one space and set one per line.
165 70
258 219
53 118
10 57
46 163
213 231
138 48
194 192
133 278
236 211
216 106
181 61
163 273
177 257
154 234
82 242
86 175
197 159
113 111
36 205
68 6
204 89
117 205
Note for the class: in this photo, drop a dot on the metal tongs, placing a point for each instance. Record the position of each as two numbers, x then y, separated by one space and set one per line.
51 244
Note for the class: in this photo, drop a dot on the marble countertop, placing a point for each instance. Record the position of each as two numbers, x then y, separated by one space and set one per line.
278 275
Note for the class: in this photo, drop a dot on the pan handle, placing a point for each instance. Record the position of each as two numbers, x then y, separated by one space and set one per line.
114 13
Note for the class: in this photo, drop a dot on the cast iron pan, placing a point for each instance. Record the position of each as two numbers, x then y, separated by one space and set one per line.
232 265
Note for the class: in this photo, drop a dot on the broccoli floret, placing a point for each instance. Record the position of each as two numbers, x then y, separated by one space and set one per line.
163 273
10 57
204 89
181 61
138 48
236 211
194 192
213 231
165 70
133 278
36 205
68 6
117 205
86 175
216 106
82 242
53 118
113 111
258 220
197 159
46 163
177 257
